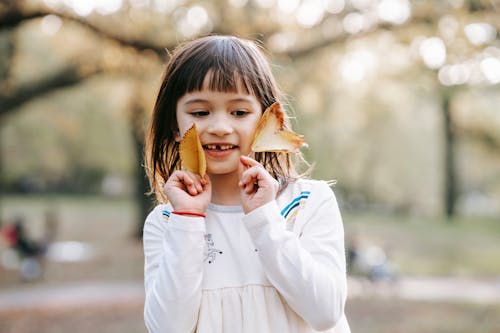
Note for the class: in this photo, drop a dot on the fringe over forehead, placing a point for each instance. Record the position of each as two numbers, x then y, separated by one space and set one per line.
226 63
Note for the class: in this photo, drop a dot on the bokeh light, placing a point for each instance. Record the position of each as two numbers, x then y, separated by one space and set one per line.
394 11
491 69
51 24
356 65
354 23
480 33
433 52
310 13
87 7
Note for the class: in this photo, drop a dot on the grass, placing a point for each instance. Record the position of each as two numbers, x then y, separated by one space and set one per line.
418 246
106 224
394 316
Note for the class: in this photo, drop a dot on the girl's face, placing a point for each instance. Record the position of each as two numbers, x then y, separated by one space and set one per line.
225 122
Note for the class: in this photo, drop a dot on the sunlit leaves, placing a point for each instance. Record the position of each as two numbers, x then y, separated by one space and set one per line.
192 21
238 3
447 35
87 7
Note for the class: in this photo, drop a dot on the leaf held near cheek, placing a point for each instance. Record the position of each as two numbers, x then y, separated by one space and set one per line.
191 152
271 135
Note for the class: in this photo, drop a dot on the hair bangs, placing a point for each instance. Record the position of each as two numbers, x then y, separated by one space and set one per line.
225 81
223 66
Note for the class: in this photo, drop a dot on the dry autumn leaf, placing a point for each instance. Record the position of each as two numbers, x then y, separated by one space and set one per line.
191 152
271 136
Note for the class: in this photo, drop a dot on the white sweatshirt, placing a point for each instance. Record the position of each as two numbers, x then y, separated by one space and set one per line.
280 268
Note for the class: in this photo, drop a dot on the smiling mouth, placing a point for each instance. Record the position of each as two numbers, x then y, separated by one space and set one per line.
219 147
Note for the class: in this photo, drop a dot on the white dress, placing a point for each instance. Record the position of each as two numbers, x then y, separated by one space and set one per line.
280 268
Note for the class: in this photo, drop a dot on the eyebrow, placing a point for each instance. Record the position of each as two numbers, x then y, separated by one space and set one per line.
194 100
201 100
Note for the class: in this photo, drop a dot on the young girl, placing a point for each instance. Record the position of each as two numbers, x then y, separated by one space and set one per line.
249 247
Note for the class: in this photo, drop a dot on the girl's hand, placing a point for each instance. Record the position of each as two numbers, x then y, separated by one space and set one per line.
258 187
189 192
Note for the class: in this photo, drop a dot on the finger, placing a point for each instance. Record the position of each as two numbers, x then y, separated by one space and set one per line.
207 184
249 162
241 168
248 188
254 173
197 182
251 177
205 179
251 188
178 179
190 182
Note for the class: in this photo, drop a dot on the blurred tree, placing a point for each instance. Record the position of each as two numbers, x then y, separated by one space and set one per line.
455 39
450 169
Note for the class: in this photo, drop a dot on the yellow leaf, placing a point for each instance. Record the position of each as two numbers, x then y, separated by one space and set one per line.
271 136
191 152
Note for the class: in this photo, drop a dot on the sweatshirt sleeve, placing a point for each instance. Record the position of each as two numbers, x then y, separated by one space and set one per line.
173 270
308 269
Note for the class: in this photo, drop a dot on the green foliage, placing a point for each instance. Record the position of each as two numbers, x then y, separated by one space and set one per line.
69 141
365 81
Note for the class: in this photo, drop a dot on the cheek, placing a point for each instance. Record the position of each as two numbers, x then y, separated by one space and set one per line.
183 123
182 127
252 129
248 138
250 134
179 131
177 136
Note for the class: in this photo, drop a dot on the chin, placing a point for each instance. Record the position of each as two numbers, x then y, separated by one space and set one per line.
221 170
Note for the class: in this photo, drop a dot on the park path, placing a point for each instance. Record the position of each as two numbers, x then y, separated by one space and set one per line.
92 293
74 295
452 289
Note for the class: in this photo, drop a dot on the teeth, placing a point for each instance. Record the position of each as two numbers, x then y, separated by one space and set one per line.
219 147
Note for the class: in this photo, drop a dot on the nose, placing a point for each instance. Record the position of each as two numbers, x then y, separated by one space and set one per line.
219 125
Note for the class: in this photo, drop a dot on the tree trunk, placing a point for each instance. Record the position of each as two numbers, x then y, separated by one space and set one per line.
7 50
450 179
143 201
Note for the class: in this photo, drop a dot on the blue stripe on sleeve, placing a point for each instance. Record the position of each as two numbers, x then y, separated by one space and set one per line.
295 202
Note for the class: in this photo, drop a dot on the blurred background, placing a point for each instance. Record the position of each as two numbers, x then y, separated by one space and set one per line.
398 101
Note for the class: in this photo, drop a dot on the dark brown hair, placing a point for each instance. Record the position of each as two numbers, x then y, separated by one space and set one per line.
228 60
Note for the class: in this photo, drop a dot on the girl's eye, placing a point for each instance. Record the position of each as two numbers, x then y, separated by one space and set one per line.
239 113
201 113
